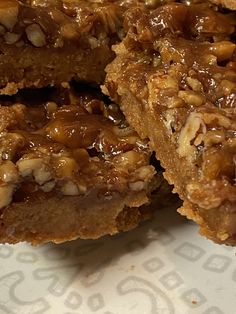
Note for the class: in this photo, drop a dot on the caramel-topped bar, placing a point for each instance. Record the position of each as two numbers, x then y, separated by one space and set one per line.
175 79
49 42
70 167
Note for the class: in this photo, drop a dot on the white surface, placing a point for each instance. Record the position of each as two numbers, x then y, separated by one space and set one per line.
162 267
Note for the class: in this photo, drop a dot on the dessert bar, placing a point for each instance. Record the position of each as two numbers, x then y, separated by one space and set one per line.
175 80
70 167
49 42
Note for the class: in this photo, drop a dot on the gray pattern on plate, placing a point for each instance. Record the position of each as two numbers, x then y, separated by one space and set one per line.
163 266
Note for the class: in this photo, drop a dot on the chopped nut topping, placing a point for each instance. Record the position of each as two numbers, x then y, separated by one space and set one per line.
70 188
54 22
185 103
6 193
8 172
70 148
65 167
191 98
188 133
9 10
11 38
48 186
35 35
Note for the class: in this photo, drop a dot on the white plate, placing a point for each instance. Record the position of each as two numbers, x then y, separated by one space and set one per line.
162 267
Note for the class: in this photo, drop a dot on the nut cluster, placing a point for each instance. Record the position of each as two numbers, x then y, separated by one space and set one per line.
51 23
55 156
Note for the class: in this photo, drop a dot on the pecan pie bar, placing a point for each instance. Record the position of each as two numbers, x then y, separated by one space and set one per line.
175 79
51 41
70 167
46 42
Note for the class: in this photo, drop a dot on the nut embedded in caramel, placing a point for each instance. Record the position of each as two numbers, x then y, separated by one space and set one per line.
184 103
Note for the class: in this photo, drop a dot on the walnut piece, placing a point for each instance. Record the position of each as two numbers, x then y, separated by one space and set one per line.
35 35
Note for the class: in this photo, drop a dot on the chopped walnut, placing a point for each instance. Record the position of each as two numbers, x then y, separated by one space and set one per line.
189 133
11 38
38 167
35 35
9 10
69 188
6 193
8 172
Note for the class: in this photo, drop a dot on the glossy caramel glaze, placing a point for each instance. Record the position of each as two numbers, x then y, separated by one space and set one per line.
69 147
175 77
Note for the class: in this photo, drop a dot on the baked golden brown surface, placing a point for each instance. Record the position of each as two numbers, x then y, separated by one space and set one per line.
175 79
70 167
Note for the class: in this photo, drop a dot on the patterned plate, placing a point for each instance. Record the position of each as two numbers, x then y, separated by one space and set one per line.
162 267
